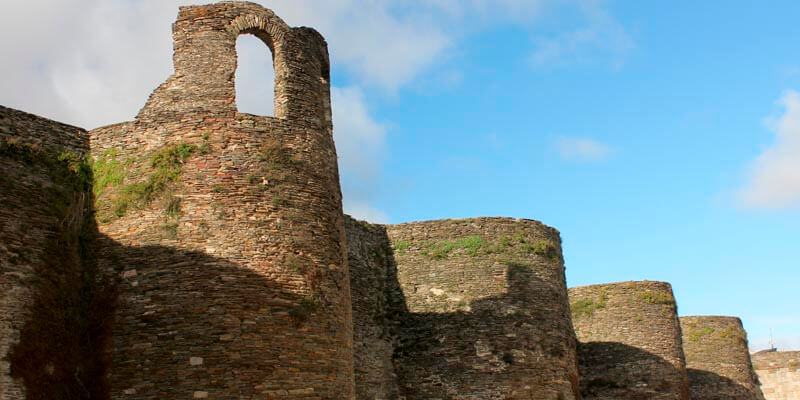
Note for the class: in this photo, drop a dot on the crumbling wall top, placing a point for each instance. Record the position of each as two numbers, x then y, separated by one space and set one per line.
202 86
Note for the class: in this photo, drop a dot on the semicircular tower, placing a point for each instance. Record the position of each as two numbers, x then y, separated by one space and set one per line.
487 311
629 341
225 228
718 359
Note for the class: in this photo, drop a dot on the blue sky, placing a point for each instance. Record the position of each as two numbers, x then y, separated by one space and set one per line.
661 138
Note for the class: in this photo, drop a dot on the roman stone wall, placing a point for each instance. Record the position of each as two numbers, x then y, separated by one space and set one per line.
226 229
629 341
718 359
377 306
487 312
40 202
779 374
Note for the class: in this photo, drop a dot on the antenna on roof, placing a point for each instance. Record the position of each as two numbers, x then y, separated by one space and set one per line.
771 342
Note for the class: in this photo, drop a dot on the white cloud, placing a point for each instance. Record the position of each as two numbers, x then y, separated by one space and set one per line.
364 212
360 145
377 46
97 64
255 77
582 149
774 177
602 39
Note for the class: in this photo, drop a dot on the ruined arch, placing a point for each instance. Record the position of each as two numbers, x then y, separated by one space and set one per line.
205 62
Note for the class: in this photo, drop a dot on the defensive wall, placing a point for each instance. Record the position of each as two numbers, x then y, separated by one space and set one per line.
779 374
629 341
718 359
199 252
226 228
470 309
51 311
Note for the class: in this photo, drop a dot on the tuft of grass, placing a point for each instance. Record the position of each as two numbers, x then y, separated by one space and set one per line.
204 148
276 156
401 246
279 201
695 334
166 168
170 230
587 307
173 206
440 250
657 298
217 188
107 171
545 248
252 179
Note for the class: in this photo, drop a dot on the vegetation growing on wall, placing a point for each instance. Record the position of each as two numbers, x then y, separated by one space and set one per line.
477 245
657 297
587 307
115 195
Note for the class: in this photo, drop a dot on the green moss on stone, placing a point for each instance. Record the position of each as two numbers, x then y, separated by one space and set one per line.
587 307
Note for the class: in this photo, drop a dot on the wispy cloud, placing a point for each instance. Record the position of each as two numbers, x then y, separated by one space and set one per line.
773 180
96 64
602 39
582 149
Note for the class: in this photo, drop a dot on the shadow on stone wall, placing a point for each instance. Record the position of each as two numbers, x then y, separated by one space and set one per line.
611 370
190 322
493 349
488 352
706 385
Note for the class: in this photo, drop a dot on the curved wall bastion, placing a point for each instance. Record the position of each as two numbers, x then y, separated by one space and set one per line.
227 230
779 374
487 311
629 341
718 359
200 252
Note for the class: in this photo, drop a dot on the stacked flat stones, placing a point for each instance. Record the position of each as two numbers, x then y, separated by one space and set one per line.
28 221
629 341
779 374
488 316
718 359
245 292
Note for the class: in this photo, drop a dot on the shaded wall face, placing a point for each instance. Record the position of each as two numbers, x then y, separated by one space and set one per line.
226 229
629 341
45 229
718 359
779 374
487 311
374 288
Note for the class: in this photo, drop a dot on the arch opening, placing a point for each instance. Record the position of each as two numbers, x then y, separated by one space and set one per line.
255 75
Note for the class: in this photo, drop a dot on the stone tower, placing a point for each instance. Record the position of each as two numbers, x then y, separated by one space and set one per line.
629 341
718 359
486 310
226 228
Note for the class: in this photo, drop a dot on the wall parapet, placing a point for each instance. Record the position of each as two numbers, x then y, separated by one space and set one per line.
629 341
718 359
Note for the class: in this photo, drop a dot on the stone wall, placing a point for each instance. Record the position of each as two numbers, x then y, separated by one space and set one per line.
718 359
629 341
43 203
377 306
779 374
487 312
226 229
